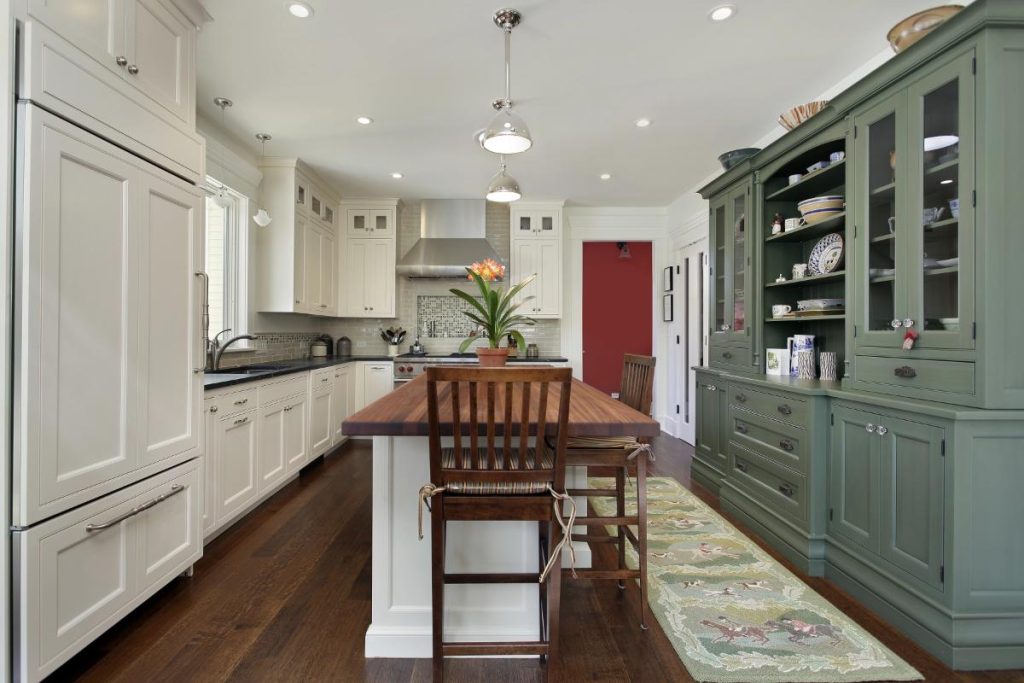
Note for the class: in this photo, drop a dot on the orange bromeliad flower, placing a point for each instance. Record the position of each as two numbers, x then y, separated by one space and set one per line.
489 270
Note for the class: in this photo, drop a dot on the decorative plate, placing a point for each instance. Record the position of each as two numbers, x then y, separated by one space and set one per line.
826 255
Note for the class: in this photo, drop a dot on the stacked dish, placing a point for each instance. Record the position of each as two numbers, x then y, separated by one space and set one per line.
818 209
797 115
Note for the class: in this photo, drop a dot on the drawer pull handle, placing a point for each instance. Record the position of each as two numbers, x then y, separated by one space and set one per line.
742 428
785 409
742 467
176 489
786 490
742 398
214 409
905 371
727 355
786 445
241 420
241 401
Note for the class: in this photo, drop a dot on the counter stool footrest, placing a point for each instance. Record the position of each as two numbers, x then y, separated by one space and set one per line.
526 577
607 573
594 493
479 649
606 521
592 538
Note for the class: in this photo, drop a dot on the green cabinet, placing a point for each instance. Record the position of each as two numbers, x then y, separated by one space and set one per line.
710 458
913 209
886 489
730 274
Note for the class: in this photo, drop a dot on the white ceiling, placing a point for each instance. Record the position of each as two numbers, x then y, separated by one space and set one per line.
582 72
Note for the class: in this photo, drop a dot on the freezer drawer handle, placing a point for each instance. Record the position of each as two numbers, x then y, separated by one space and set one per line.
176 489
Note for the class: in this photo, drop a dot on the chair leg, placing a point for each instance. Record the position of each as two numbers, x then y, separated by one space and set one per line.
545 545
437 585
641 532
620 511
554 597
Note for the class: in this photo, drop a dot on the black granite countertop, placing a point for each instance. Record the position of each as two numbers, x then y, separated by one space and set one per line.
253 373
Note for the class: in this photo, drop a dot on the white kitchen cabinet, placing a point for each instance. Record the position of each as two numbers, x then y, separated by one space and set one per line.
536 246
82 571
207 471
295 440
366 221
297 254
124 69
344 400
374 381
107 319
368 288
235 464
321 411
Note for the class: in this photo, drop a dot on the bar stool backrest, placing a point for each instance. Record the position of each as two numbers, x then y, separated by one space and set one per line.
637 387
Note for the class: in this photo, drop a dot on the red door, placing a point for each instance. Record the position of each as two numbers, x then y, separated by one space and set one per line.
616 309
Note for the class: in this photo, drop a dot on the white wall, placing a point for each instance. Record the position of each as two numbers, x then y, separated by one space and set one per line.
7 44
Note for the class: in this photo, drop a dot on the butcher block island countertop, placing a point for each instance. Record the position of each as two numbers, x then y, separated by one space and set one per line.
403 412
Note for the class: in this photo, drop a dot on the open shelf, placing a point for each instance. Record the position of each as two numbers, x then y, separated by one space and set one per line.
807 232
810 279
807 318
883 238
939 168
932 272
884 190
883 278
945 223
812 184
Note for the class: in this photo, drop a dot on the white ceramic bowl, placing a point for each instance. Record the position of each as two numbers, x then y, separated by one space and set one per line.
834 202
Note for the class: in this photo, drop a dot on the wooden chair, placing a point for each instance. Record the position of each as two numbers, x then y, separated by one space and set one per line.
636 391
493 478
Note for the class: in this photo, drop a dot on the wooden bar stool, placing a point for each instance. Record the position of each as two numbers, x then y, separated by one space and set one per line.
495 479
636 391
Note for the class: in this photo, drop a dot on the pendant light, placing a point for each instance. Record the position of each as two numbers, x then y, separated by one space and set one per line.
218 196
262 217
503 187
507 132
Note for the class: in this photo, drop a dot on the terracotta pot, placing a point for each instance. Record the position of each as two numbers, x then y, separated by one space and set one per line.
492 358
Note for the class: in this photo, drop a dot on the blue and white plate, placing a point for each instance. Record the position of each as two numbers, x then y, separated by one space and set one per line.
826 255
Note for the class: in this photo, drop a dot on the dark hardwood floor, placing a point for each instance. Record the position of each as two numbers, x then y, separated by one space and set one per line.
284 595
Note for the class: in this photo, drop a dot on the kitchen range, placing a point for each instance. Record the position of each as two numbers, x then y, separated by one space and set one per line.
409 366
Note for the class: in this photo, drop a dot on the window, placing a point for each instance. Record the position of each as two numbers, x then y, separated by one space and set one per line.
226 255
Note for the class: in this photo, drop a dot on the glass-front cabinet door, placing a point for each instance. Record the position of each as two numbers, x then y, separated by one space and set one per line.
879 185
914 214
940 259
730 265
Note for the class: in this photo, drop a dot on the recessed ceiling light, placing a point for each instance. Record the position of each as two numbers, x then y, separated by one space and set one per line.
606 176
397 176
365 120
642 123
300 10
722 12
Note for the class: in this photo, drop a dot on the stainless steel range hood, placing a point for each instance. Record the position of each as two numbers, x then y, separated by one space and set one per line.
452 236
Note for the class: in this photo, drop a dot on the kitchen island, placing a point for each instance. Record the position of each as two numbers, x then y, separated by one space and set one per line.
400 623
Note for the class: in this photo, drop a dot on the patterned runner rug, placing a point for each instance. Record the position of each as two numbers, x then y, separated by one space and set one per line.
733 613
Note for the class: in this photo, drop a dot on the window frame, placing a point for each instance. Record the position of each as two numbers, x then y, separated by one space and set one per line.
236 262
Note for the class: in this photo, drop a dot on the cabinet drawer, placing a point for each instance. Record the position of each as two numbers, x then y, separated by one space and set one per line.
776 406
735 357
953 377
79 573
278 389
234 402
776 487
321 380
779 442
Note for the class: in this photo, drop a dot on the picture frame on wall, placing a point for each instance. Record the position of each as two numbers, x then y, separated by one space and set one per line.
666 279
667 308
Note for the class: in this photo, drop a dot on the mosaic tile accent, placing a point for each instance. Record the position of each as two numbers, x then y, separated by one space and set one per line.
443 317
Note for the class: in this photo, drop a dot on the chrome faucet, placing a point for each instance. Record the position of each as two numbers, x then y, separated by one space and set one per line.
211 349
220 352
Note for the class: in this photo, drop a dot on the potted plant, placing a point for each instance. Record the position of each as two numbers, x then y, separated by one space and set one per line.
494 311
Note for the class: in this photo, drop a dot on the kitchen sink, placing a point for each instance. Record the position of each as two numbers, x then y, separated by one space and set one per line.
254 370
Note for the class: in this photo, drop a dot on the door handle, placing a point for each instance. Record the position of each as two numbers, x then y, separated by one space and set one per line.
175 490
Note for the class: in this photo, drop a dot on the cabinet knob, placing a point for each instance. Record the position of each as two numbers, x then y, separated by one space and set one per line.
870 428
742 467
725 328
908 323
881 430
742 398
785 409
241 402
214 409
712 387
896 323
786 445
241 420
786 490
905 371
132 69
727 355
121 61
742 428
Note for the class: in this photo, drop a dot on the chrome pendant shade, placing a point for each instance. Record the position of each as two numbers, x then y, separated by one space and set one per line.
503 187
507 132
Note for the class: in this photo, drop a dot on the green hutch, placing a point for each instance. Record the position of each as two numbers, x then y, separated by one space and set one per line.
900 480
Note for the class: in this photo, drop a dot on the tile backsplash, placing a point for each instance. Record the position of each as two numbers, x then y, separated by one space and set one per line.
270 347
443 317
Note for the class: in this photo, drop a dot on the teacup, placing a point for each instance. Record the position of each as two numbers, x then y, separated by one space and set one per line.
799 270
780 310
892 224
795 178
933 214
954 207
836 156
